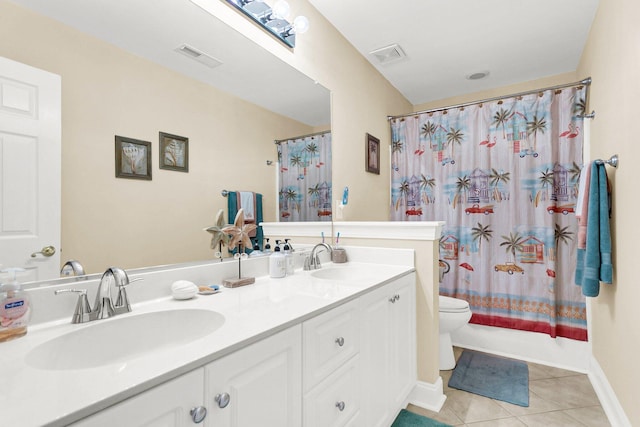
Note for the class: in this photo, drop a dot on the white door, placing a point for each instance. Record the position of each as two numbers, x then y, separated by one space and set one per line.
30 147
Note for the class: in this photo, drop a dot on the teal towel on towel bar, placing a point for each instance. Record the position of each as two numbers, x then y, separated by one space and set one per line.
594 262
232 208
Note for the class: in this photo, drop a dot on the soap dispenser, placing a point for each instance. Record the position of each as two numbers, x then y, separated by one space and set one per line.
267 247
288 257
14 308
277 264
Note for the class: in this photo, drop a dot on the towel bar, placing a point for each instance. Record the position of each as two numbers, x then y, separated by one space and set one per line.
613 161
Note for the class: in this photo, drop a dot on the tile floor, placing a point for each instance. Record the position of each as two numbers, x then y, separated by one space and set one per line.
556 398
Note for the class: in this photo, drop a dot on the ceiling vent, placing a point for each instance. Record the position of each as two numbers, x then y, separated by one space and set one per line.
386 55
197 55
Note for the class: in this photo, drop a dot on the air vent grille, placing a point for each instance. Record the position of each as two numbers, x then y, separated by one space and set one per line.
392 53
198 55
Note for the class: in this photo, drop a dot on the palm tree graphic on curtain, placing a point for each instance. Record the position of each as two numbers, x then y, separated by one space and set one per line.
500 119
535 126
425 184
428 131
462 186
454 136
314 193
512 243
481 232
495 179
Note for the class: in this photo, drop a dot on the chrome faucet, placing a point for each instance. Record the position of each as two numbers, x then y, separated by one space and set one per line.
104 306
312 262
72 268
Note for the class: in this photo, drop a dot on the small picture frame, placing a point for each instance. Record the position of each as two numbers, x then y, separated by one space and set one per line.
373 154
174 152
133 158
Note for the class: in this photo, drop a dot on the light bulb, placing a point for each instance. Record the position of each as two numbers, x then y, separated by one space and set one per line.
300 24
281 9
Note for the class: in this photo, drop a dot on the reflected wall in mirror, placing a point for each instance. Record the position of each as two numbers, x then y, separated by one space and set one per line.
304 178
133 82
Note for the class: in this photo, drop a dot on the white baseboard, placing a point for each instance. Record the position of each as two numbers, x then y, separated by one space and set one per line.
529 346
427 395
607 396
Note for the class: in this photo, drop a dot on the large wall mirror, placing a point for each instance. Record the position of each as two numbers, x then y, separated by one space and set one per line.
166 67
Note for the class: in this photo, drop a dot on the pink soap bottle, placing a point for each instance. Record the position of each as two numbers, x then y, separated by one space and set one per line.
15 309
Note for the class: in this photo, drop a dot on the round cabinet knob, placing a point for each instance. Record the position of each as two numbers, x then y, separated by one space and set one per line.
397 297
222 399
340 341
198 414
340 405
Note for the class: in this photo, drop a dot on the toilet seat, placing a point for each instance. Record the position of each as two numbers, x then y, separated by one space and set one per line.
452 305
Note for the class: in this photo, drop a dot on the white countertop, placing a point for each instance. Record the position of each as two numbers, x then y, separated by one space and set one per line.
32 396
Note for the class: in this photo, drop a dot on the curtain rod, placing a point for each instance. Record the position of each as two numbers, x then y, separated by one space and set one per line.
278 141
583 82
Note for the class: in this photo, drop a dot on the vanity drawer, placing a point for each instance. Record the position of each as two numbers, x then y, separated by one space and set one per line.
329 340
335 402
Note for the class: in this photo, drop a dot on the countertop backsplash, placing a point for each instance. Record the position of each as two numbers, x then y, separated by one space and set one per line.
47 307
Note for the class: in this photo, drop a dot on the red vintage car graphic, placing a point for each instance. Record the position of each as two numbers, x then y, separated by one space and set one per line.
477 209
560 209
413 212
551 273
324 212
285 214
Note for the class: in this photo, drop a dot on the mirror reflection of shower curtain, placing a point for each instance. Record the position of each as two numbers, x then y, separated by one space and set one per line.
504 176
305 178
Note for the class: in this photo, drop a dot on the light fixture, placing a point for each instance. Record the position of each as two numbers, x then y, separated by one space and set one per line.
273 18
281 9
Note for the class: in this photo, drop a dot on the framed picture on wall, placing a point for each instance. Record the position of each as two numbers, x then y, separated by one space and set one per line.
373 154
174 152
133 158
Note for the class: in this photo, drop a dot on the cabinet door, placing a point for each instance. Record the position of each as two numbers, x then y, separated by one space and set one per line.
388 350
403 370
375 351
167 405
261 384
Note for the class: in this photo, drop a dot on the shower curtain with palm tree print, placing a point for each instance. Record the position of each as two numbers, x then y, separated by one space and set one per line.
504 176
305 178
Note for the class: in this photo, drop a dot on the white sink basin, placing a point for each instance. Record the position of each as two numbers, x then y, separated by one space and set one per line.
104 342
347 273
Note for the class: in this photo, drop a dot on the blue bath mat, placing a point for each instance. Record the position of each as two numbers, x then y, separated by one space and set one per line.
409 419
492 376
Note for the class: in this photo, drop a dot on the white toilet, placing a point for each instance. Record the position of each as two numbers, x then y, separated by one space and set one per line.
454 313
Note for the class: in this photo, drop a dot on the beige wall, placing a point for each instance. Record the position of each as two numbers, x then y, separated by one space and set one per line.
612 58
107 92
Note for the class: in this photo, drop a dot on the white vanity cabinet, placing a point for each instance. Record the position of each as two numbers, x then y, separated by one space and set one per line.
166 405
353 365
259 385
388 350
